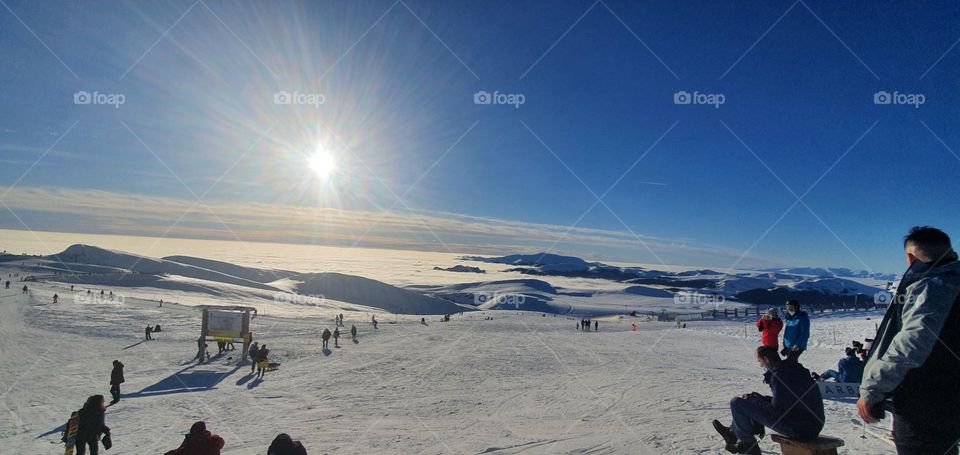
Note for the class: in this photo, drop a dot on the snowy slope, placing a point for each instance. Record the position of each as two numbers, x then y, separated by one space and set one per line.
518 383
372 293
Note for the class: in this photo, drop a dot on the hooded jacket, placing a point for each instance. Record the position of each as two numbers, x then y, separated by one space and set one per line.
850 369
796 330
116 376
796 398
913 360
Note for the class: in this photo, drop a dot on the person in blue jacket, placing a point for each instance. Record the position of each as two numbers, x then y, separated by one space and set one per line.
849 369
796 331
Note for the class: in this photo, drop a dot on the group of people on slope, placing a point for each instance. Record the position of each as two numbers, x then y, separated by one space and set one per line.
911 368
586 323
258 358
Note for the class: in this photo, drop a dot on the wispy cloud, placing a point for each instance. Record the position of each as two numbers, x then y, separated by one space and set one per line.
123 213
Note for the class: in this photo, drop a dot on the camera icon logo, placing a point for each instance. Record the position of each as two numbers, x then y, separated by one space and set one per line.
82 97
882 298
682 97
282 97
482 97
482 297
882 97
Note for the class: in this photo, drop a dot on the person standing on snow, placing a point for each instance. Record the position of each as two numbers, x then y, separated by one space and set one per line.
252 352
353 331
336 337
796 331
199 441
262 363
116 378
596 326
91 425
769 326
326 337
912 365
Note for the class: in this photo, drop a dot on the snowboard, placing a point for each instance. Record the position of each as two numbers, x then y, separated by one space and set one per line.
70 433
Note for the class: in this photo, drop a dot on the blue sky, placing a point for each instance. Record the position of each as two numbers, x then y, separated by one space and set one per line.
398 79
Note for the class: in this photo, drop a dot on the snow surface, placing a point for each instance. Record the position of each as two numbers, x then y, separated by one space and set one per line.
517 383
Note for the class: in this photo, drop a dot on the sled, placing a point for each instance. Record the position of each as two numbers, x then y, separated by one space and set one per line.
70 433
273 366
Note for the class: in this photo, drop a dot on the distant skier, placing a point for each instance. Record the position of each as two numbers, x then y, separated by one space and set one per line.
24 289
326 337
769 326
336 337
423 321
116 378
262 362
596 326
91 426
373 319
146 333
7 284
252 352
199 441
353 331
796 331
56 298
283 444
579 326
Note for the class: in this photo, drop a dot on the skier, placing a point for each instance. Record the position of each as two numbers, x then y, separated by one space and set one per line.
373 319
769 326
55 298
116 378
91 425
252 352
326 337
796 331
336 337
283 444
24 289
7 285
199 441
262 363
596 326
795 410
341 320
579 326
146 333
353 331
912 364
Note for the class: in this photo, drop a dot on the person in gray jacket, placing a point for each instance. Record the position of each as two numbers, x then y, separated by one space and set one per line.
913 366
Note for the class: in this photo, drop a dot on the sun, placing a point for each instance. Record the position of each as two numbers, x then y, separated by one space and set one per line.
322 163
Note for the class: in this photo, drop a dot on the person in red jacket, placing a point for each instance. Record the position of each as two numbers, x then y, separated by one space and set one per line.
769 326
199 442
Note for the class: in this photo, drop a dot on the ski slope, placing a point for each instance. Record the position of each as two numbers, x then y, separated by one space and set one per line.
519 383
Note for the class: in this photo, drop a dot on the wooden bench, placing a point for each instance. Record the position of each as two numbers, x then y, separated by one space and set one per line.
824 445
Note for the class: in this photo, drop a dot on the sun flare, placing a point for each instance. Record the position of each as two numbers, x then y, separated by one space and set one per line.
322 163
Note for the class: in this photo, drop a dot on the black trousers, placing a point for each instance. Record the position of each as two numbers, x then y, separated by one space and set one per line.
82 447
115 392
914 436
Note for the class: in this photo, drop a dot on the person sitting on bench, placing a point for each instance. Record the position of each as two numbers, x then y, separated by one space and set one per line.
795 410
